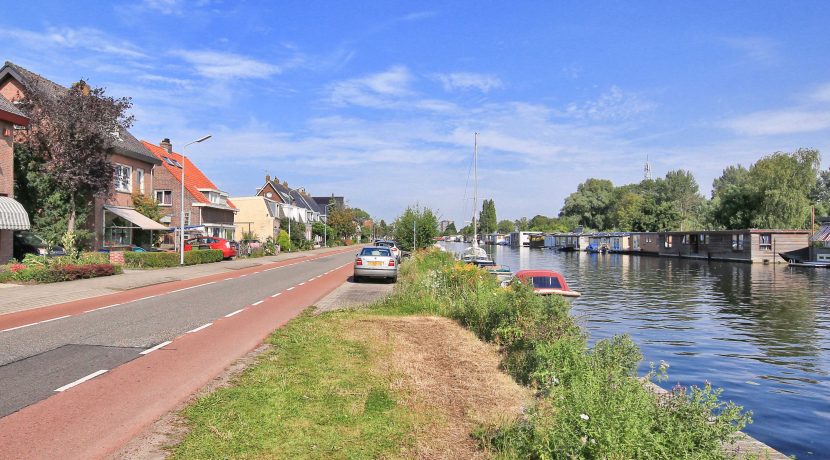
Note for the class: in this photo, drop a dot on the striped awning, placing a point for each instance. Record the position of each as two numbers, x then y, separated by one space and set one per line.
12 215
138 219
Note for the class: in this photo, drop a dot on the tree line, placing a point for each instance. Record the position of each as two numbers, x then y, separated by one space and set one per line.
777 191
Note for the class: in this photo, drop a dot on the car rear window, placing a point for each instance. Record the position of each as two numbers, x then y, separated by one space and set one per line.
546 282
381 252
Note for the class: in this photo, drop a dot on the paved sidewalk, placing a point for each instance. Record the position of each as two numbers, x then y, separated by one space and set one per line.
354 295
14 298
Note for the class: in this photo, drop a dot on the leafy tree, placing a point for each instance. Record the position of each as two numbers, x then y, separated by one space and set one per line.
821 194
384 230
71 135
284 241
590 203
487 217
505 226
521 225
343 223
681 190
422 221
450 230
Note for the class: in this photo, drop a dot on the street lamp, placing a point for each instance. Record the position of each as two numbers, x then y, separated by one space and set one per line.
181 221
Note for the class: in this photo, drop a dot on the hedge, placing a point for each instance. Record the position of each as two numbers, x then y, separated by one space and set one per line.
56 273
171 259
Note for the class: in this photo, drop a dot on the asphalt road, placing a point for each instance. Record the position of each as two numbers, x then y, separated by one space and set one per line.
40 360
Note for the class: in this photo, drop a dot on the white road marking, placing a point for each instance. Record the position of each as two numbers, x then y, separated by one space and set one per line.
103 308
269 269
192 287
275 295
292 287
54 319
257 303
301 283
233 313
145 298
199 328
226 279
243 276
81 380
18 327
311 279
161 345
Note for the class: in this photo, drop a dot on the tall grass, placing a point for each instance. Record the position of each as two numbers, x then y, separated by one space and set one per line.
590 402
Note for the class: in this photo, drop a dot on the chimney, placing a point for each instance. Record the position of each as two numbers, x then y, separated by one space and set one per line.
267 178
166 145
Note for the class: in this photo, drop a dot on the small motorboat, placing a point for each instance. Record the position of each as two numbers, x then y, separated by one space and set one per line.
502 273
546 282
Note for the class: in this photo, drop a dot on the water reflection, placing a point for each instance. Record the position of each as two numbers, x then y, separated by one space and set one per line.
760 332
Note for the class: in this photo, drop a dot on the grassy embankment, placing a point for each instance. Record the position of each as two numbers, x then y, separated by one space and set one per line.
333 387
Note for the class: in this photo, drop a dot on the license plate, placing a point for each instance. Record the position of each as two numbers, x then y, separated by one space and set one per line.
375 263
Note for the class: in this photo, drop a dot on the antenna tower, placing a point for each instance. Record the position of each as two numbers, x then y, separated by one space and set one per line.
647 169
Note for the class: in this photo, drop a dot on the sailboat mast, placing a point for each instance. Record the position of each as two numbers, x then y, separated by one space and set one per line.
475 188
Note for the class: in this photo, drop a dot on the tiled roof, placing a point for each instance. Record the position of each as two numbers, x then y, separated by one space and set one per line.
126 143
294 196
194 178
8 107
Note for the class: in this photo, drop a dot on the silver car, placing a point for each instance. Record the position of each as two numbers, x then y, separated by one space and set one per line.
375 262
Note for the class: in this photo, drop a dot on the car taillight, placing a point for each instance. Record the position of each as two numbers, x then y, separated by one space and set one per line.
358 261
392 262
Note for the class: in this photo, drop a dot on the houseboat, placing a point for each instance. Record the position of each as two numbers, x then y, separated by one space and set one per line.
817 254
493 238
747 245
537 240
546 282
521 239
568 242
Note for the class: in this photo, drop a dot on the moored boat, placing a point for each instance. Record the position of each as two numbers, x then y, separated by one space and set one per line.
546 282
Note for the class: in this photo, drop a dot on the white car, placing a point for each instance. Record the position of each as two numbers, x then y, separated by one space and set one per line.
375 262
392 246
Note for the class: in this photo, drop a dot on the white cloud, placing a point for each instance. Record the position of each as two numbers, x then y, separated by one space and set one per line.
757 49
222 66
78 38
382 89
614 104
822 94
780 122
468 81
172 7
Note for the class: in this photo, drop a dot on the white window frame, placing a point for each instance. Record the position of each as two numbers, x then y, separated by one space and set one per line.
163 192
120 176
765 246
139 176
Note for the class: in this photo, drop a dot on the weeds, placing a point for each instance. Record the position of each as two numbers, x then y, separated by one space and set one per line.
590 403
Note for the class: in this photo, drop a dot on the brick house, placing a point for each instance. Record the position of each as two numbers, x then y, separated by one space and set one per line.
113 219
298 205
12 215
207 209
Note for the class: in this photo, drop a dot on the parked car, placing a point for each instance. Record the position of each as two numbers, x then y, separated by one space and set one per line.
211 242
26 242
375 262
392 247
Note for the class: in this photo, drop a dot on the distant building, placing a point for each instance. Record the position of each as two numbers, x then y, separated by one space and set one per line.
442 226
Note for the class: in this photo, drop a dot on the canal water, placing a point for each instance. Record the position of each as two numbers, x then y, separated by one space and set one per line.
762 333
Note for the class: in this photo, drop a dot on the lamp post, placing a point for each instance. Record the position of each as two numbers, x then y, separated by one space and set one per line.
181 221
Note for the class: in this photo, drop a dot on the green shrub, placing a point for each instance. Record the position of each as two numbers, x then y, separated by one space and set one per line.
590 403
59 272
171 259
94 258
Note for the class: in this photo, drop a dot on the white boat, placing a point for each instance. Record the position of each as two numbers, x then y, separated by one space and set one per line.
475 254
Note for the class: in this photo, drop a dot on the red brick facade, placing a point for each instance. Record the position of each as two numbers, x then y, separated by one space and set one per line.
6 184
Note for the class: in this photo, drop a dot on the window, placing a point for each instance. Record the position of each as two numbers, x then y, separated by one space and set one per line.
164 197
648 238
214 197
668 241
737 242
139 176
123 178
704 238
685 239
766 241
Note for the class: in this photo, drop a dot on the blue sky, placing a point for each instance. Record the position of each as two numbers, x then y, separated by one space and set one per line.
378 101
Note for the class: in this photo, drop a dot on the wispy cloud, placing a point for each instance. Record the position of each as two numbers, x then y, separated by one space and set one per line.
822 94
78 38
223 66
376 90
172 7
469 81
780 122
757 49
614 104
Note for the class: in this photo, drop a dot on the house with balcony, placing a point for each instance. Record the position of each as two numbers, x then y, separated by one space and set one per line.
208 210
113 219
12 215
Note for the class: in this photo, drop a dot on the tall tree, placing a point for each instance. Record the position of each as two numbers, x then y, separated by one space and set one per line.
487 217
505 226
681 190
72 133
418 223
590 203
450 230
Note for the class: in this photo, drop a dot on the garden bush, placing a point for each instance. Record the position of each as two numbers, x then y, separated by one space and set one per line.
56 272
171 259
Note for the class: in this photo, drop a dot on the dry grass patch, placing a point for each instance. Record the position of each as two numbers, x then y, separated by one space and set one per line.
449 376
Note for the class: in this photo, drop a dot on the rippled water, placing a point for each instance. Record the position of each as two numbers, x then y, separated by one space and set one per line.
762 333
